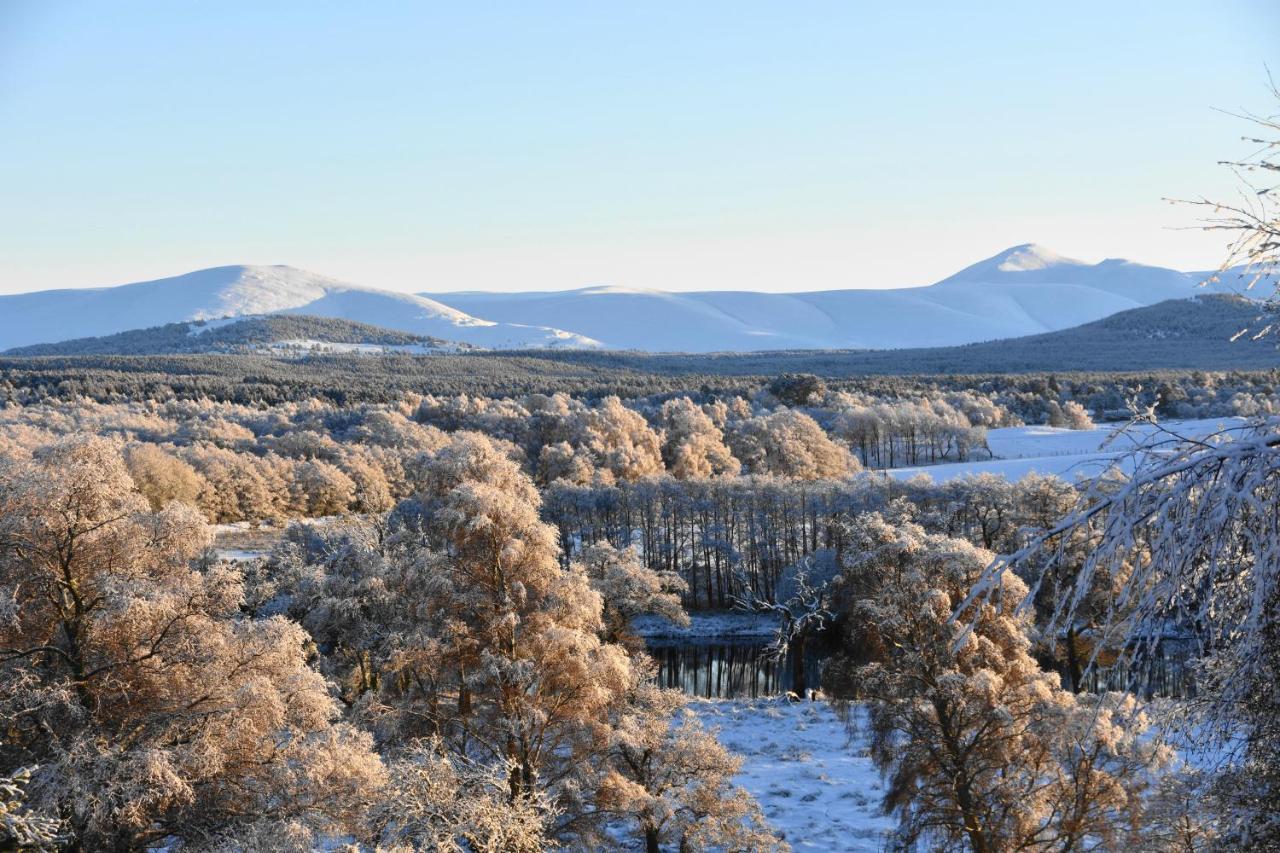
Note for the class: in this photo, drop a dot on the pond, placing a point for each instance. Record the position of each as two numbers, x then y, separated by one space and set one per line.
727 669
745 668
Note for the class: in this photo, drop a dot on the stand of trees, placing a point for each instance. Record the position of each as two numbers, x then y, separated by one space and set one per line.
439 678
731 539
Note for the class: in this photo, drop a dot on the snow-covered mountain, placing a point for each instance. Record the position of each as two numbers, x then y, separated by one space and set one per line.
1021 291
236 291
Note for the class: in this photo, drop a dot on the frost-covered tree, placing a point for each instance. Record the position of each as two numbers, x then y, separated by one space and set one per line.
561 462
319 488
674 782
508 635
980 747
128 673
235 487
1194 533
20 828
1068 415
798 389
442 801
629 589
801 601
620 441
693 446
161 477
790 444
372 491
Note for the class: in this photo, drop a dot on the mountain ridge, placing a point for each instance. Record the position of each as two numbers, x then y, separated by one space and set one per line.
1176 334
248 290
1024 290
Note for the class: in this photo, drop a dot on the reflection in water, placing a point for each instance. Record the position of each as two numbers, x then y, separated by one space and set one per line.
726 670
735 669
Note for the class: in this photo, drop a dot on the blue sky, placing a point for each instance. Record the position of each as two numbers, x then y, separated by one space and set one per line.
717 145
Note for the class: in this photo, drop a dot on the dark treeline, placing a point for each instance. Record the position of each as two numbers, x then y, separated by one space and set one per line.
199 336
257 380
732 539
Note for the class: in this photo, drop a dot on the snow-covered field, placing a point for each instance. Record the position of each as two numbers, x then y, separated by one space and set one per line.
813 778
1068 453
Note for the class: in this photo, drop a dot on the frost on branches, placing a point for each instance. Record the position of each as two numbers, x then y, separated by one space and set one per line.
19 827
503 681
980 747
1195 533
154 709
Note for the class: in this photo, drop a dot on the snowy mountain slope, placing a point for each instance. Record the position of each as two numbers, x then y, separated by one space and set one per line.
1022 291
234 291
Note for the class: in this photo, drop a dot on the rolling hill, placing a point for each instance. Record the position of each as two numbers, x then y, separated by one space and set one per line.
1177 334
1022 291
1025 290
235 291
267 334
1195 333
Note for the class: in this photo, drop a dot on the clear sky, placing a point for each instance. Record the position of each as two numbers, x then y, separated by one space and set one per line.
685 145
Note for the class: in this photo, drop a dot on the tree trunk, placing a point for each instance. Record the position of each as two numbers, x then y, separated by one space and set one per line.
651 840
1073 660
798 680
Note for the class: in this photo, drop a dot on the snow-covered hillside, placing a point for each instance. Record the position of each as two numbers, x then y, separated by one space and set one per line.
1021 291
235 291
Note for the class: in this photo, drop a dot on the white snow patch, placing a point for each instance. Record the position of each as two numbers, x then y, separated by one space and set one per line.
238 555
1067 453
814 780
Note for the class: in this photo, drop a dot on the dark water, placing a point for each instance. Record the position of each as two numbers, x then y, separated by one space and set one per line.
718 669
736 669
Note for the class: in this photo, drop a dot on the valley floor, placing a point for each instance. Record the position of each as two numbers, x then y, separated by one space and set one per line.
813 778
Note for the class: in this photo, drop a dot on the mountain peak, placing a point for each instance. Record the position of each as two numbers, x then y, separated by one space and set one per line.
239 290
1024 258
1029 256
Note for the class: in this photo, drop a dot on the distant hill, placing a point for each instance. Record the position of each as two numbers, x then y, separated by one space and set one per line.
49 316
1177 334
1182 334
279 334
1024 290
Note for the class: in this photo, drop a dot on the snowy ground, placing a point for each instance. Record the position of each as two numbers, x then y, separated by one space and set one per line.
1068 453
242 541
813 779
